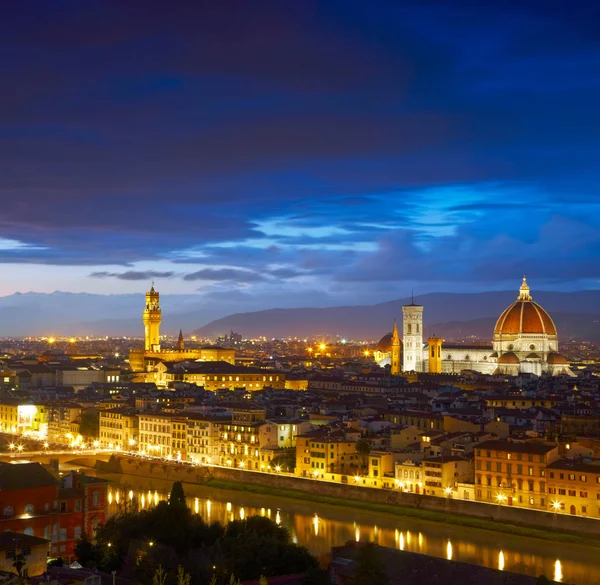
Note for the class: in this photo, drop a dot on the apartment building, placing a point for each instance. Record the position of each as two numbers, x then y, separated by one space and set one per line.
281 433
60 418
513 473
118 428
574 487
317 455
442 474
156 434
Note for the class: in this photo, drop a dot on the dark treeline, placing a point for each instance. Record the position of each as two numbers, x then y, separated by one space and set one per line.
155 545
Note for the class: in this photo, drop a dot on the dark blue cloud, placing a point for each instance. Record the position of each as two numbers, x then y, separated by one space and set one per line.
310 143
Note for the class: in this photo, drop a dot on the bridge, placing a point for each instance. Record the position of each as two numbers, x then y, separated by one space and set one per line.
64 457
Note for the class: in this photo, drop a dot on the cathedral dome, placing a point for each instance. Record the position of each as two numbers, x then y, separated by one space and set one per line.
508 358
385 343
524 316
556 359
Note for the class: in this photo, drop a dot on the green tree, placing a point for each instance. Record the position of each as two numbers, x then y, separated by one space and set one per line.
160 576
183 578
370 568
89 424
177 496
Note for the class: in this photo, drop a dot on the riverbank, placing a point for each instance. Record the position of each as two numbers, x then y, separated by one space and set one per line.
428 515
465 513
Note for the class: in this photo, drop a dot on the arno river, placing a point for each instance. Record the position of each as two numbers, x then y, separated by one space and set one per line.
319 527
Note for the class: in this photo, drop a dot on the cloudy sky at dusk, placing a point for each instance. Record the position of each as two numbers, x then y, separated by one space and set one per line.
277 153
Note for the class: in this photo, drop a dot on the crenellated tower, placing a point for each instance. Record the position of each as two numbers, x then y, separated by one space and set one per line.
152 318
412 322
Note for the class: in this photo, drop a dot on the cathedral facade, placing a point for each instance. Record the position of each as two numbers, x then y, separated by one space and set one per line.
525 340
145 360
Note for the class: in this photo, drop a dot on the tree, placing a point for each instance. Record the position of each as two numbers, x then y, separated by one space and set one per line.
89 424
160 576
177 496
363 448
183 578
369 567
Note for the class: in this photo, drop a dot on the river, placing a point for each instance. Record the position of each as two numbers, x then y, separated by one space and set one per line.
319 527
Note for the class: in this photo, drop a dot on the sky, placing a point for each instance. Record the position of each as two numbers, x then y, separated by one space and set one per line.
285 153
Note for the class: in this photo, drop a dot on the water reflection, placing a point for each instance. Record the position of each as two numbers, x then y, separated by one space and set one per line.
318 527
558 576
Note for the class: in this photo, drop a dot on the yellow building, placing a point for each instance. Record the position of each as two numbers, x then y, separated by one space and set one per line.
216 376
118 428
434 345
441 475
317 456
24 419
513 473
144 360
574 487
156 434
239 441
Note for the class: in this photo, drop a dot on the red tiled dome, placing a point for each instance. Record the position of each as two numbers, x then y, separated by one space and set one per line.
557 359
385 343
524 316
508 358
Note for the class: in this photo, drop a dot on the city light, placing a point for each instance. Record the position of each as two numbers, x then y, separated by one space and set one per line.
448 491
556 506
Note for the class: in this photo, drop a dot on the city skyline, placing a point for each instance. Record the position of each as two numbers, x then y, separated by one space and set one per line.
305 155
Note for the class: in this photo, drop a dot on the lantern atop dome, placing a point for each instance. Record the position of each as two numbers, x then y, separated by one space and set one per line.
524 291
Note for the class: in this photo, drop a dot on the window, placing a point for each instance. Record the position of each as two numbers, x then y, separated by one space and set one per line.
77 532
583 494
77 505
530 470
531 501
29 509
582 478
8 511
95 498
28 531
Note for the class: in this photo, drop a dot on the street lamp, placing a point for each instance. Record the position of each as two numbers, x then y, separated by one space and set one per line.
556 506
12 446
356 478
315 474
448 491
20 448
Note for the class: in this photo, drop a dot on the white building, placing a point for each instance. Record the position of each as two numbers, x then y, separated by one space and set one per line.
525 340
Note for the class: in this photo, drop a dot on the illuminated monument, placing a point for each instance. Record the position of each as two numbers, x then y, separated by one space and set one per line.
145 360
525 341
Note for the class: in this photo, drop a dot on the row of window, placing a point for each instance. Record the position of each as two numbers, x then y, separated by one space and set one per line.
503 455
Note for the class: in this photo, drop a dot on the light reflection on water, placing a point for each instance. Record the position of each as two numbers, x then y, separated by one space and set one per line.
319 527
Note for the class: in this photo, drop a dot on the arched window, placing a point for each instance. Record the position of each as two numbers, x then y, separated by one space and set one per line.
29 509
28 531
8 511
467 358
95 498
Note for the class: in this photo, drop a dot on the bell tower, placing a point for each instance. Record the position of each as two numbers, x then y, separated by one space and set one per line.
412 323
395 352
152 317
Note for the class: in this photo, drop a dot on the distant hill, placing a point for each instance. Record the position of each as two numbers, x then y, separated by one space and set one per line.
450 315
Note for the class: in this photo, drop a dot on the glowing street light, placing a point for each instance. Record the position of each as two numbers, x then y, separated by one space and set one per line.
356 478
278 468
20 448
46 445
12 446
448 491
500 498
96 444
367 353
315 473
556 506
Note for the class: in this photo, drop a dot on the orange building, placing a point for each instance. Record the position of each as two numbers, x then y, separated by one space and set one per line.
513 473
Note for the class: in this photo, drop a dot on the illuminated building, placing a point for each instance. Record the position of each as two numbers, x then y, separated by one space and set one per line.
144 360
216 375
156 434
525 340
412 321
395 352
118 428
513 473
574 487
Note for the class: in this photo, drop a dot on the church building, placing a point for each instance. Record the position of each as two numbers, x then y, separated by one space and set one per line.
525 340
